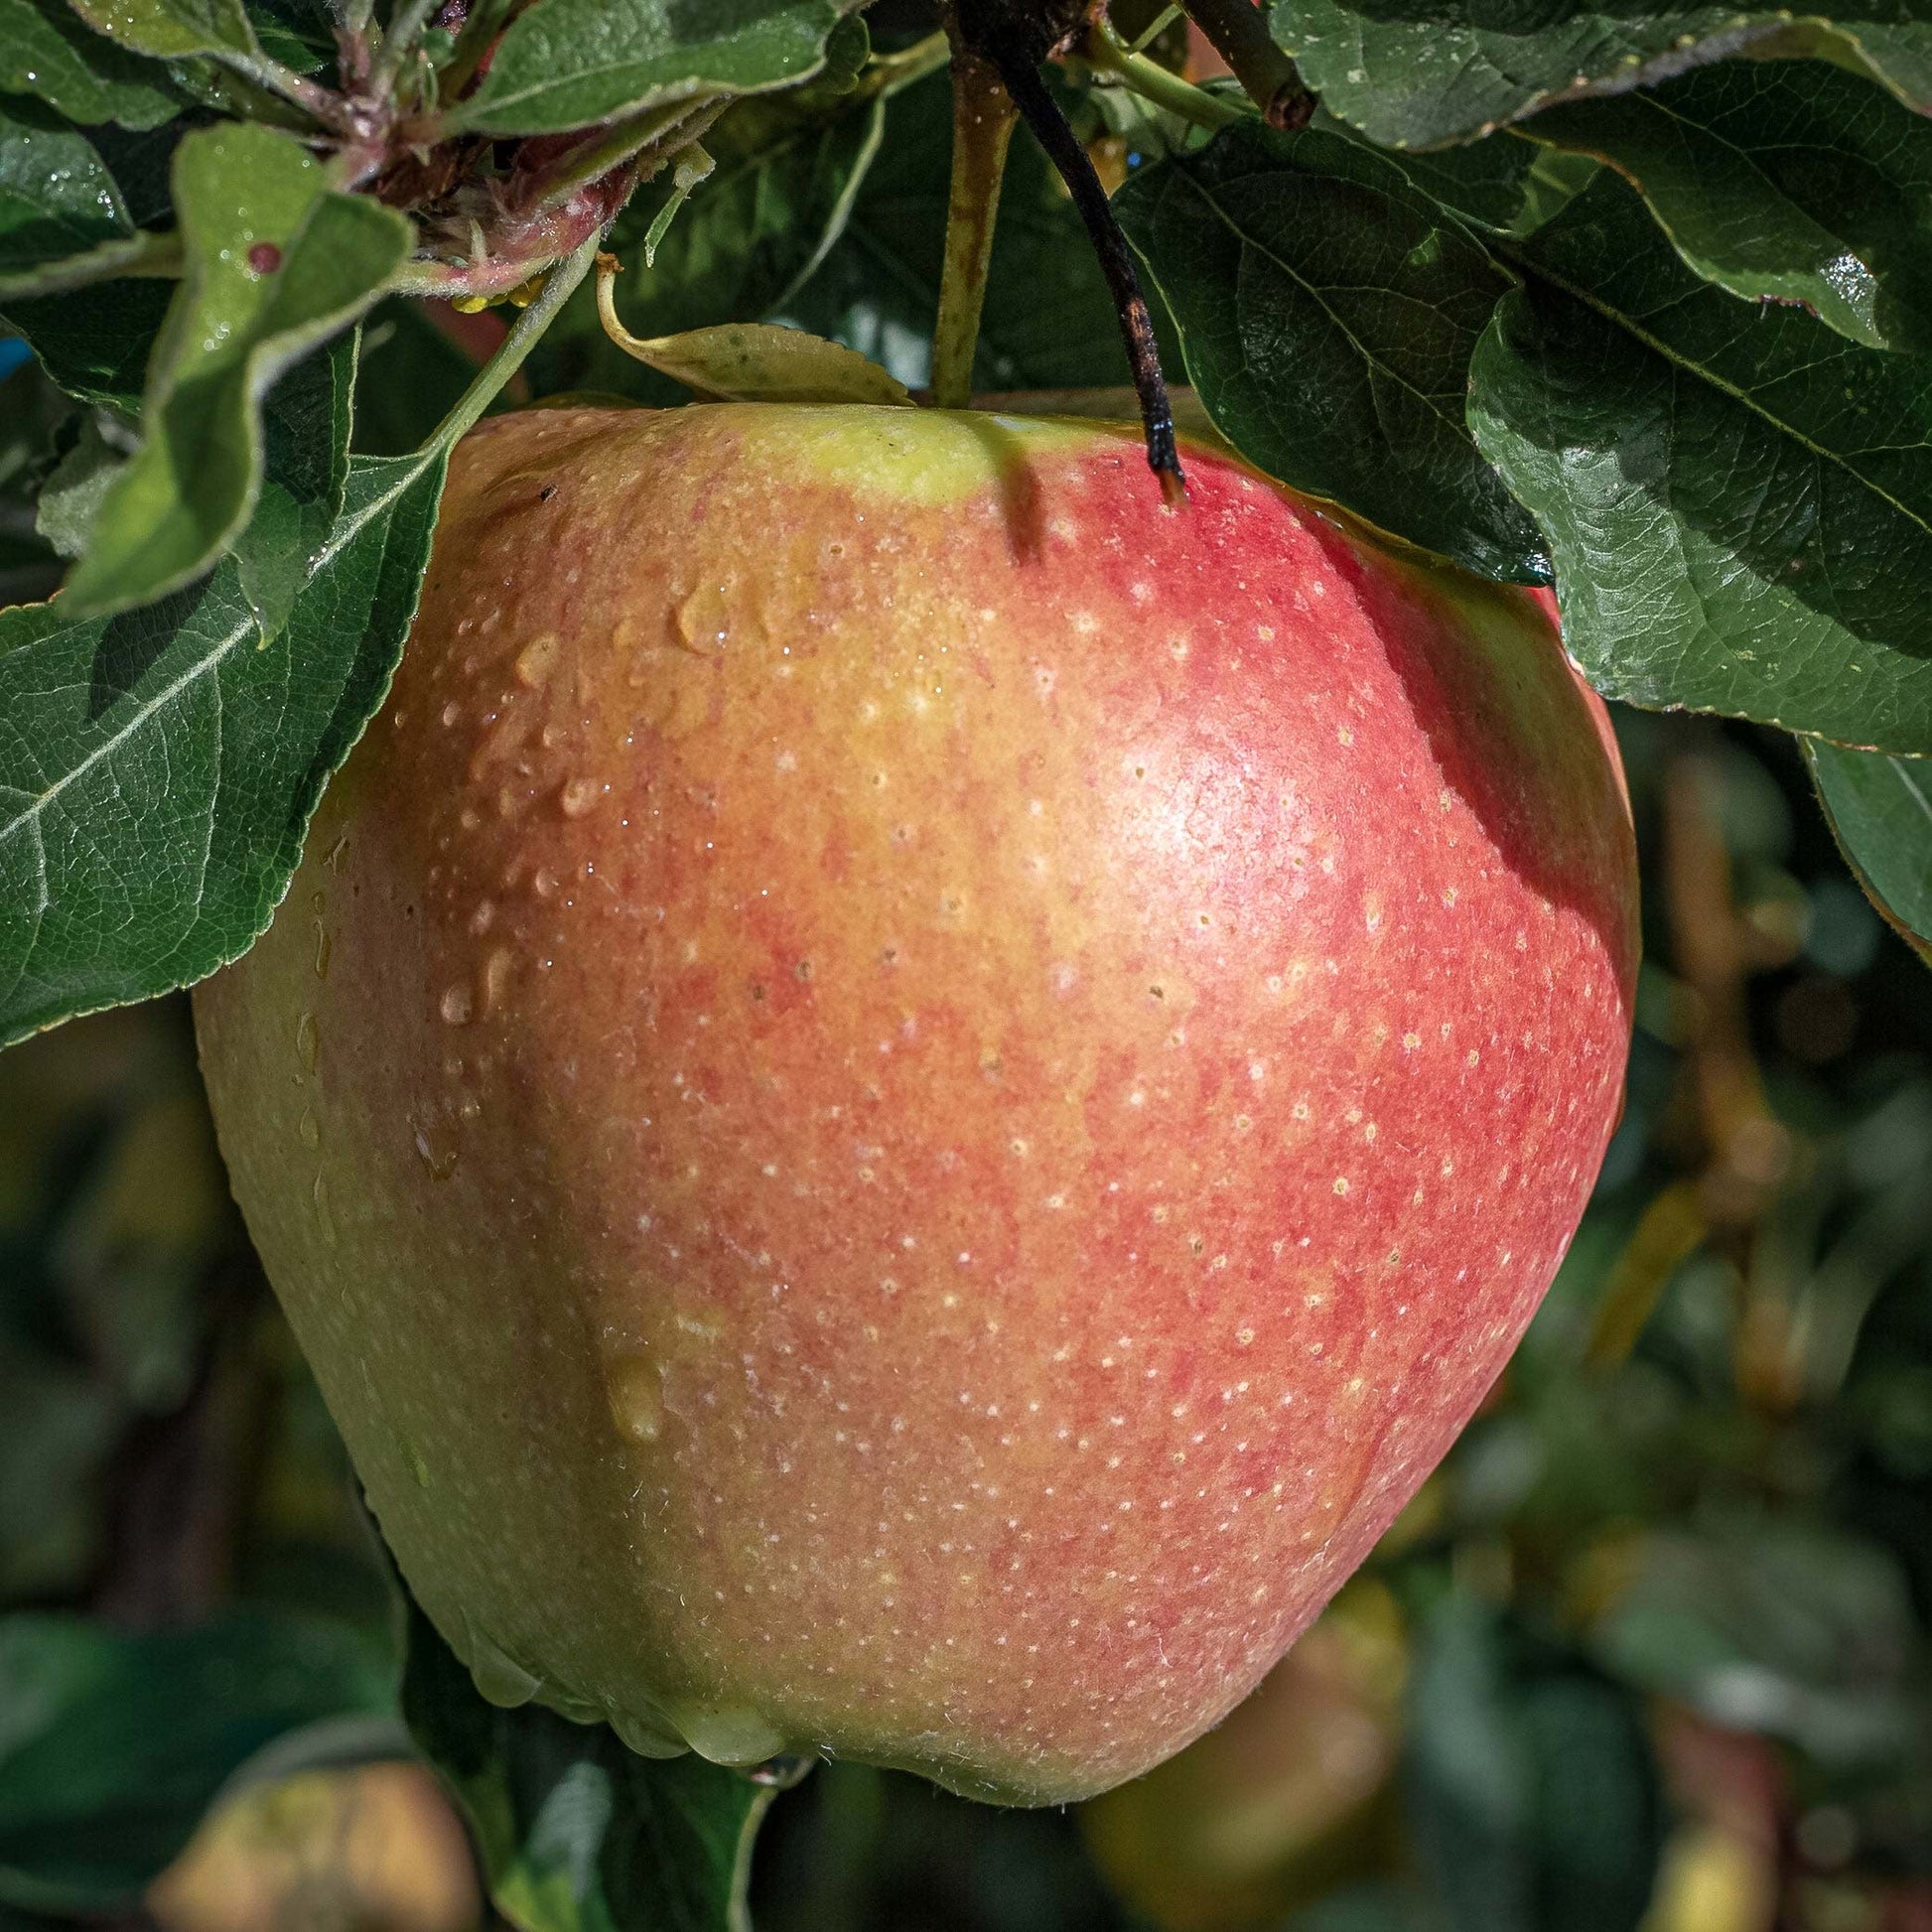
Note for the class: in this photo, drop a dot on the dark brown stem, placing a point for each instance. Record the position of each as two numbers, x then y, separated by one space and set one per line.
1241 37
1049 126
983 116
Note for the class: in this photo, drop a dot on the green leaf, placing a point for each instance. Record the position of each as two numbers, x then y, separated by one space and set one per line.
157 769
97 348
1739 500
579 1834
57 197
1507 184
1533 1796
1790 178
1880 809
235 324
45 51
174 29
571 63
304 433
1329 312
1048 321
111 1745
1416 73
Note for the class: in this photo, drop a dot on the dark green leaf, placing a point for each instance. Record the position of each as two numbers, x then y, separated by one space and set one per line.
111 1746
305 435
95 348
1532 1792
173 29
1880 807
1328 310
1415 73
570 62
1738 500
34 422
1048 321
1507 184
157 769
410 378
579 1834
45 50
57 197
1787 179
235 323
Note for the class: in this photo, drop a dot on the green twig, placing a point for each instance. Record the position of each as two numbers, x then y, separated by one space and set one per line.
671 128
406 25
983 117
1105 52
557 288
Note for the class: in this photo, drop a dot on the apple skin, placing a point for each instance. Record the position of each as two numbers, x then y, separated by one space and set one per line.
902 1097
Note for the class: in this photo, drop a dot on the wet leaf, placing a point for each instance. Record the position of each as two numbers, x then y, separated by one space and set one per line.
45 50
275 263
1789 180
57 197
1739 500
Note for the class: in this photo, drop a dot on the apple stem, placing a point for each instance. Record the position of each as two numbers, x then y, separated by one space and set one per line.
983 117
1049 127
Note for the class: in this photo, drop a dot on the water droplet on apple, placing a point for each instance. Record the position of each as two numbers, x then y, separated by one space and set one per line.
309 1129
578 796
318 1193
646 1734
441 1162
499 1679
635 1390
536 661
729 1737
457 1006
497 978
308 1042
323 946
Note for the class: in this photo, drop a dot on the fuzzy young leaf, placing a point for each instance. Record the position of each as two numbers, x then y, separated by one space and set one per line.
157 769
1739 500
571 63
174 29
1880 808
57 197
579 1834
1416 73
114 1744
1791 180
45 50
275 263
71 496
1329 312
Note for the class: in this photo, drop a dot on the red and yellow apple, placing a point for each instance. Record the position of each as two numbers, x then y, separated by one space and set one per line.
904 1097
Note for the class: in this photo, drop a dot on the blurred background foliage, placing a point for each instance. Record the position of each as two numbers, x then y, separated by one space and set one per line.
1650 1652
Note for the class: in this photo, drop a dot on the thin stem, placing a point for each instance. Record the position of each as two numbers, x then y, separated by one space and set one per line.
670 127
1241 37
983 117
892 71
1105 52
1063 149
144 254
406 25
1157 26
557 288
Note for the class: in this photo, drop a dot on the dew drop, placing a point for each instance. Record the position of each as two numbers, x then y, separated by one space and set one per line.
308 1042
649 1737
318 1193
578 796
782 1772
634 1388
309 1129
440 1162
495 978
324 947
536 661
544 882
499 1679
457 1006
